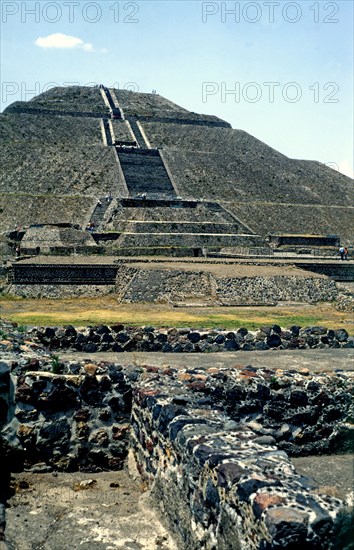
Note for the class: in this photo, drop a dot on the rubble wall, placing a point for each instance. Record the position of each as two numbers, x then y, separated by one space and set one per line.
223 483
212 443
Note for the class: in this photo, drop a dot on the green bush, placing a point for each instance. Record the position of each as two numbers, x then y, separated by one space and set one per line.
57 366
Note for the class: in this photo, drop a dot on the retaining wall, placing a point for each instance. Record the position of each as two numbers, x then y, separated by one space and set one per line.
119 338
304 240
27 274
339 271
78 420
157 285
161 285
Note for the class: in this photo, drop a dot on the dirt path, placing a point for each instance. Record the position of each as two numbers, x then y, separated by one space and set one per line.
315 360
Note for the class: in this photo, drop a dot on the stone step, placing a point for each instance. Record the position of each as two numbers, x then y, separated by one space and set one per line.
150 211
114 109
190 240
139 138
145 173
186 227
99 212
134 154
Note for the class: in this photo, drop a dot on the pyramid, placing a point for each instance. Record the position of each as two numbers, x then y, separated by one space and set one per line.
155 175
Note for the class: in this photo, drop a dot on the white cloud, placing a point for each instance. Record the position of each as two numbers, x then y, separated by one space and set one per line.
64 42
87 47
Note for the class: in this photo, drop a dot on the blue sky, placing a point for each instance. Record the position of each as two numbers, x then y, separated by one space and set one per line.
280 70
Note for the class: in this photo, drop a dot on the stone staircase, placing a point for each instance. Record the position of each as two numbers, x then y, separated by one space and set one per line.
107 132
174 211
115 110
99 213
166 226
145 173
153 218
139 138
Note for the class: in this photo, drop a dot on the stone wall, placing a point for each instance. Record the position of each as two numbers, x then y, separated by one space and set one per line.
248 290
68 416
134 284
172 211
118 338
27 273
222 483
192 240
304 240
52 237
211 443
205 227
173 251
161 285
58 291
339 271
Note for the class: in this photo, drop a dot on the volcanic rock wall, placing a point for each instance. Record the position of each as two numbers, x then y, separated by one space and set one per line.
162 285
119 338
224 483
210 442
136 284
79 419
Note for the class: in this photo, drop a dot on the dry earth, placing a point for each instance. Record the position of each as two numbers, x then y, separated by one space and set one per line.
66 511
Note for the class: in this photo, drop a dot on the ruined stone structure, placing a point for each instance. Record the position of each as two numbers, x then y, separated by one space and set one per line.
213 444
95 179
178 282
101 172
192 181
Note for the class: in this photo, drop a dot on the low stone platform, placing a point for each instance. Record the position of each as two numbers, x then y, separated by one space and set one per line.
223 282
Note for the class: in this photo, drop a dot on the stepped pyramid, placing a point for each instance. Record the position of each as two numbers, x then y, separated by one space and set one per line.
174 178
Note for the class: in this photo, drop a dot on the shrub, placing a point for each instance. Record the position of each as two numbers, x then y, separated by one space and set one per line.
57 366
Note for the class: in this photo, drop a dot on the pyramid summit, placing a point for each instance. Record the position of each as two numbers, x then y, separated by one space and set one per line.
156 174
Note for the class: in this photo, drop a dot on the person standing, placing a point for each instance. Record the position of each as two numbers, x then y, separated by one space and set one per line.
345 253
341 252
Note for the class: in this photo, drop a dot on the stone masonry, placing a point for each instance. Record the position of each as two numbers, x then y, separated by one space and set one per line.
213 444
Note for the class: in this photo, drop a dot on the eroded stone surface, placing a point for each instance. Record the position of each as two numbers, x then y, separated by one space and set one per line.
102 511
